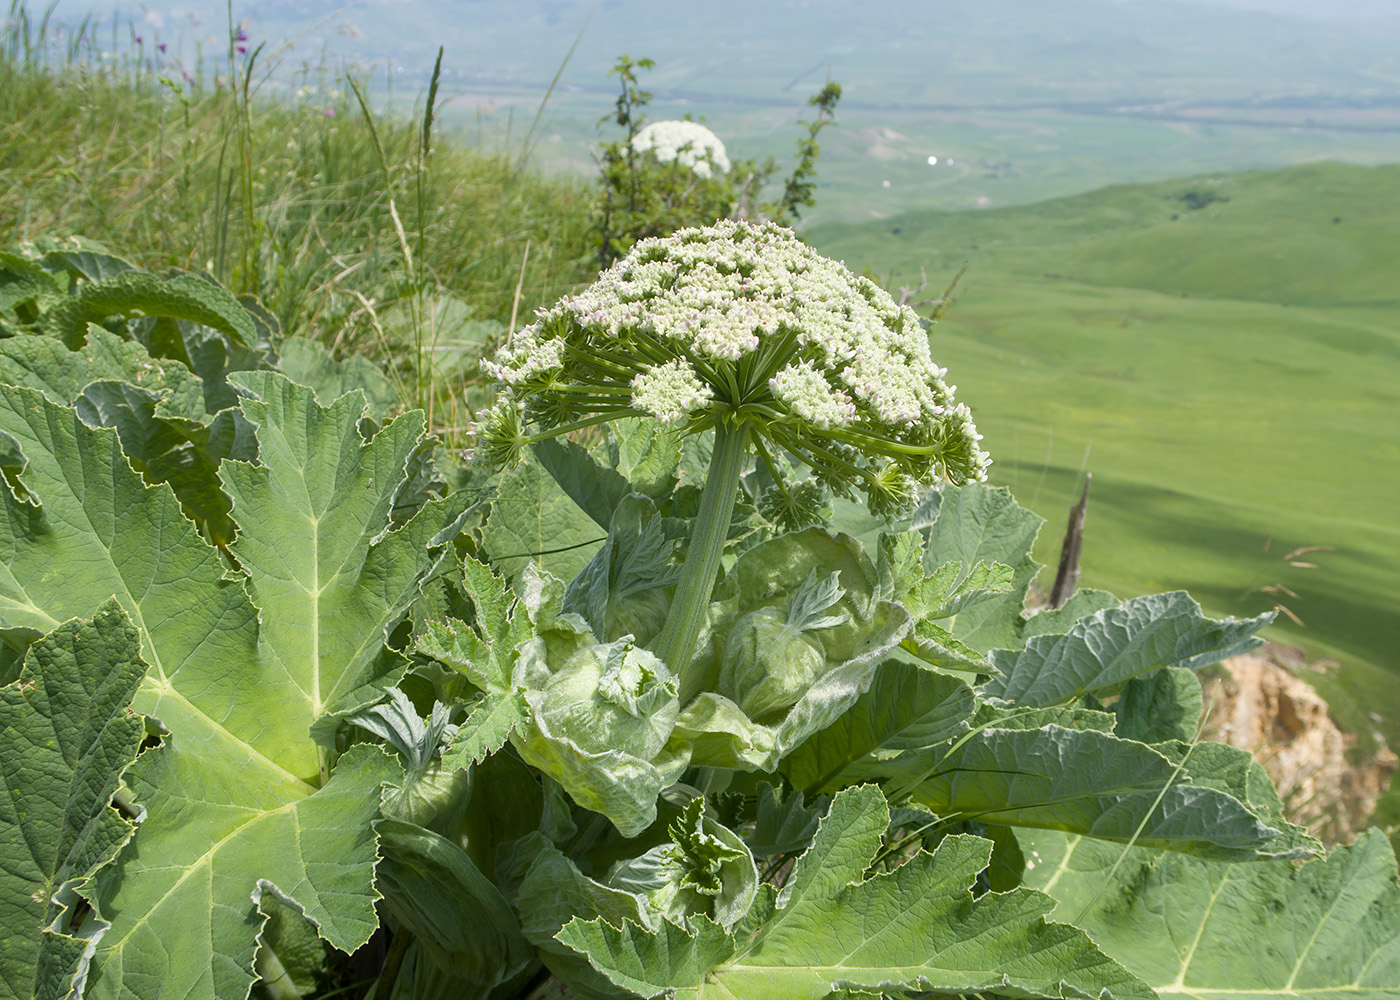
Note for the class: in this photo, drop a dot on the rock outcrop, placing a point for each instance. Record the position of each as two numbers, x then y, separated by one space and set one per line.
1261 705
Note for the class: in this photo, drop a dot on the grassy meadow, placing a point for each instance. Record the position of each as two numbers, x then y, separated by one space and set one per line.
1223 354
337 215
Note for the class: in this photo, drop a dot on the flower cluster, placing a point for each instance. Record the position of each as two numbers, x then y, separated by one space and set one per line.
744 324
688 143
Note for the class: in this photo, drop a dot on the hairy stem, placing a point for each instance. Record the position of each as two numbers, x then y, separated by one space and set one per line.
709 531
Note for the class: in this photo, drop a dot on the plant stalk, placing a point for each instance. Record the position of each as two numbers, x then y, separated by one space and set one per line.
710 530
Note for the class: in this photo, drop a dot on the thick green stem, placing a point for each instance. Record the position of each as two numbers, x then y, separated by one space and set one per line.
709 532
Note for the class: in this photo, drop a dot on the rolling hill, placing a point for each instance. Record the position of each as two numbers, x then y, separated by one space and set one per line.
1222 352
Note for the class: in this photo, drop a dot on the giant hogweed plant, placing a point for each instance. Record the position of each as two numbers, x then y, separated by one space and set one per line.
737 752
665 175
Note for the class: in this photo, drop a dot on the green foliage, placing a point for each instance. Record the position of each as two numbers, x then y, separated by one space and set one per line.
884 777
68 738
645 193
240 800
830 927
209 176
157 370
134 293
1111 647
1197 929
800 188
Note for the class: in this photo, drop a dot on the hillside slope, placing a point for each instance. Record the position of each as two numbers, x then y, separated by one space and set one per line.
1321 234
1223 356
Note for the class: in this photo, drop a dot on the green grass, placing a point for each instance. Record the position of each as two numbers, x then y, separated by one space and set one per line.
108 151
1231 376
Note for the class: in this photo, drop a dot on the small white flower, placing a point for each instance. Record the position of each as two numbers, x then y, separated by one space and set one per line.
669 392
810 395
685 142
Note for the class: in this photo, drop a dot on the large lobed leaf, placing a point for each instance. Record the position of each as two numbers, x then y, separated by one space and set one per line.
158 409
907 707
238 801
328 575
68 738
831 928
186 898
1110 647
1093 783
131 293
310 363
1198 930
533 519
45 364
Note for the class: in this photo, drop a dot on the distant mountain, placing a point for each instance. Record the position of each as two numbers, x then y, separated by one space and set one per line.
934 53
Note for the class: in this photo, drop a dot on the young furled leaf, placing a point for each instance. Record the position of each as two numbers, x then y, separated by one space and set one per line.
769 661
433 794
623 590
595 717
485 654
804 683
972 524
697 855
600 723
705 869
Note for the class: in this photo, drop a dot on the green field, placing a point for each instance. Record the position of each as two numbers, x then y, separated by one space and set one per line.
1223 354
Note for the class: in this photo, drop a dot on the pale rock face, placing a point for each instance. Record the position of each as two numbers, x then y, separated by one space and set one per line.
1265 708
686 143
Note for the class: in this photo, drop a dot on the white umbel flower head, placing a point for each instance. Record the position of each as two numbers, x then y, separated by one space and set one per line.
669 392
743 323
685 142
